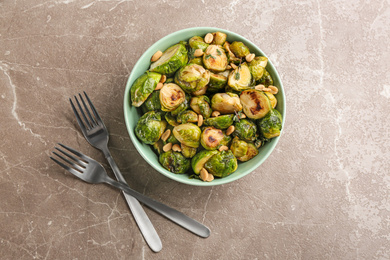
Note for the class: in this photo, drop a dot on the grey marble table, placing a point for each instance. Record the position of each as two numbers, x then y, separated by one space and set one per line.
322 194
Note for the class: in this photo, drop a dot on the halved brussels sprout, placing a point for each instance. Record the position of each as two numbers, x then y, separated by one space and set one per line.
257 67
200 159
187 151
174 162
197 42
220 122
271 124
245 130
171 96
226 103
221 164
200 92
143 87
152 103
150 127
197 60
215 58
250 153
239 147
200 104
188 134
171 60
231 57
213 138
171 119
240 78
272 99
158 146
219 38
217 82
183 106
255 103
187 116
239 49
266 80
192 78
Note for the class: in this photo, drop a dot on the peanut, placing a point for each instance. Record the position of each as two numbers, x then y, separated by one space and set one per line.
203 174
230 130
166 135
176 148
200 120
210 177
156 56
228 67
234 66
260 87
250 57
223 148
242 116
198 53
208 38
274 90
215 113
167 147
163 79
159 86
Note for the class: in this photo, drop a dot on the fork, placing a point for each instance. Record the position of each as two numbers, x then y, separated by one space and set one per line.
89 170
96 133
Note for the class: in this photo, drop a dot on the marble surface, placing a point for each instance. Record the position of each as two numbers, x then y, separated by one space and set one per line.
322 194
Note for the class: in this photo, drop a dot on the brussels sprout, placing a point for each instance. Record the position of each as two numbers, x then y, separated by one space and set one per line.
215 58
150 127
174 162
169 80
172 139
197 42
171 96
187 116
219 38
188 134
217 82
250 153
271 124
232 58
239 147
213 138
197 60
192 78
245 130
272 99
200 104
255 103
220 122
200 159
152 103
187 151
239 49
143 87
183 106
226 103
172 59
257 67
240 78
171 119
158 146
200 92
221 164
266 80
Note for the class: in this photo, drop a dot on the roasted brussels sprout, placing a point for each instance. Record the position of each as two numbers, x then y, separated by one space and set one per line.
240 78
217 82
187 151
174 162
188 134
221 164
239 147
231 57
255 103
226 103
271 124
239 49
215 58
187 116
219 38
197 42
220 122
172 59
183 106
213 138
266 80
152 103
171 96
197 60
143 87
257 67
250 153
200 104
158 146
199 160
272 99
245 130
192 78
150 127
171 119
200 92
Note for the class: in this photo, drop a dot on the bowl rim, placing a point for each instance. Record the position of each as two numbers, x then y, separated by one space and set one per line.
126 106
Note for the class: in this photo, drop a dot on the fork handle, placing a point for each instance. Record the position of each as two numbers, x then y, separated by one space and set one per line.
168 212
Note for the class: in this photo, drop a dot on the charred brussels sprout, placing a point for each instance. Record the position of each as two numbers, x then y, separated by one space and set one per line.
183 106
250 153
199 160
215 58
217 82
272 99
197 42
172 59
219 38
200 105
257 67
152 103
255 103
226 103
192 78
239 49
220 122
240 78
187 151
188 134
143 87
266 80
174 162
271 124
150 127
171 96
221 164
245 130
213 138
187 116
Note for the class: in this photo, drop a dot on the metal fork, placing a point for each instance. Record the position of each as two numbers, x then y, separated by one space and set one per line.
91 171
96 133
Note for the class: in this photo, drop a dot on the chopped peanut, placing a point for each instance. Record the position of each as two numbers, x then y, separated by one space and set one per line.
230 130
167 147
166 135
156 56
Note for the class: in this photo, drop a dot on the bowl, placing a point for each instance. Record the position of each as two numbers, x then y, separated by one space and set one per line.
133 114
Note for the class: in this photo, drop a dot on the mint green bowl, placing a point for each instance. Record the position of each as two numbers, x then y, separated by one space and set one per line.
132 114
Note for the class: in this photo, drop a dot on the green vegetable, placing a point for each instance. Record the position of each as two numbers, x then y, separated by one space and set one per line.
239 147
188 134
219 38
197 42
171 119
150 127
221 164
239 49
171 96
174 162
171 60
255 103
187 116
220 122
217 82
197 60
187 151
215 58
231 57
213 138
257 67
250 153
143 87
240 78
183 106
199 160
266 79
201 105
226 103
192 78
158 146
271 124
152 103
245 130
272 99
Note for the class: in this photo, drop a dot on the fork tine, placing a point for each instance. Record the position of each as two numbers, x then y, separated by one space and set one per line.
78 118
66 167
93 109
82 156
86 109
74 165
82 112
71 157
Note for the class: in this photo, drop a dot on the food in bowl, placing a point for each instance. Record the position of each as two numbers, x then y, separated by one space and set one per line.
207 106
